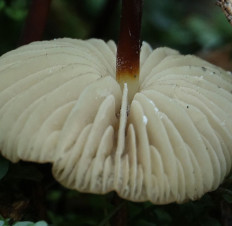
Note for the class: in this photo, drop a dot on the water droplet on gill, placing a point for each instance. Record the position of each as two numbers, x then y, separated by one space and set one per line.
145 119
156 109
223 123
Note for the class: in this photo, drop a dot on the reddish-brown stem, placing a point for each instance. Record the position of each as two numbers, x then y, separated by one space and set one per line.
129 43
35 22
120 217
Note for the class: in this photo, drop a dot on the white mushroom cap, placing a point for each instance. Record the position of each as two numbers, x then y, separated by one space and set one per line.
60 103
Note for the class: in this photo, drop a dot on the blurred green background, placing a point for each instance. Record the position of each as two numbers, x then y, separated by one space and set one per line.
28 191
189 26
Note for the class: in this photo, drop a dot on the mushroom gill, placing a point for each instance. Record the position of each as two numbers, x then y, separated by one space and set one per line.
60 103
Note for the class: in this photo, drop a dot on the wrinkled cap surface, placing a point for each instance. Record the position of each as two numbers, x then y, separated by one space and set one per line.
60 103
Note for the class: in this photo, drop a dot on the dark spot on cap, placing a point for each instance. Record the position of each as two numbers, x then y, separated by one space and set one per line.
203 68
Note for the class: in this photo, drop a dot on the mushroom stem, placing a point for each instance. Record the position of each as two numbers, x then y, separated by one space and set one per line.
120 218
35 22
128 52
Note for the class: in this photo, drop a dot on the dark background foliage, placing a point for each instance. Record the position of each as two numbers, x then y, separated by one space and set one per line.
189 26
28 191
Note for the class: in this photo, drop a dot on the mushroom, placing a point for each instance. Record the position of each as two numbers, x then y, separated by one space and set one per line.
166 139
